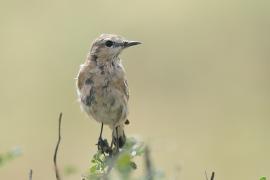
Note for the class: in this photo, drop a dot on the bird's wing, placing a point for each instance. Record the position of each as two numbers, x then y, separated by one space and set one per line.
122 86
85 87
87 92
126 90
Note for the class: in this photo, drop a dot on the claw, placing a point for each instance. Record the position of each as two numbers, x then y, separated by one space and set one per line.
103 146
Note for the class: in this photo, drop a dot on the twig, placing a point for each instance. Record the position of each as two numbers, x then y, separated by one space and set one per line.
56 149
30 174
212 176
148 164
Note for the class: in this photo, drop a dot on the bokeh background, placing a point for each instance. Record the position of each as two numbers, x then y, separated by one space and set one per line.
200 83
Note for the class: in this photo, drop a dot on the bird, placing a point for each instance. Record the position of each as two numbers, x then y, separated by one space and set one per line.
102 87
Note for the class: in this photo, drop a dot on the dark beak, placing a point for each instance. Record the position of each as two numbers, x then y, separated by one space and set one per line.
131 43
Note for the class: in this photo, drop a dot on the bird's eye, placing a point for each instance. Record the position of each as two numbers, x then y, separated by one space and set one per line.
109 43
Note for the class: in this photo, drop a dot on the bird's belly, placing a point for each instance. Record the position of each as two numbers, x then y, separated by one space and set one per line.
109 108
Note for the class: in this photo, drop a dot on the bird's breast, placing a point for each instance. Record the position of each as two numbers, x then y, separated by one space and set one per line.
104 98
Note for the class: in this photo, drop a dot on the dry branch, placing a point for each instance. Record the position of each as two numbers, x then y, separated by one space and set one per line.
148 164
56 149
212 176
30 174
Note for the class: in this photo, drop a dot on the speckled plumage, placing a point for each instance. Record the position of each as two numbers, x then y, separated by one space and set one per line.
102 85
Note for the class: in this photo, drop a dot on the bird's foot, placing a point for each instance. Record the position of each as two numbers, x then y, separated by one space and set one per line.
103 146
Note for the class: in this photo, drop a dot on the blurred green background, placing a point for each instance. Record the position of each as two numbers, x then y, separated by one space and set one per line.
200 83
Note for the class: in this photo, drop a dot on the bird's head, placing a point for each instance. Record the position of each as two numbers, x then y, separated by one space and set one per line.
107 46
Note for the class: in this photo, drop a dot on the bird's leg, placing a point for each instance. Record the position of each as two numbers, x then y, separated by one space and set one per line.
101 130
111 147
100 140
117 140
102 144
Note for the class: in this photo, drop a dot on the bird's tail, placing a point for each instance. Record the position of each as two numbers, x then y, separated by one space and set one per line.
119 136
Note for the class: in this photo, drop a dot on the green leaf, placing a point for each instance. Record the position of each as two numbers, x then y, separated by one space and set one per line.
10 155
93 170
70 169
263 178
122 162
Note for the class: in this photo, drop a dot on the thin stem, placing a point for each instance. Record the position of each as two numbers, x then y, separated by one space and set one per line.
148 164
56 148
212 176
30 174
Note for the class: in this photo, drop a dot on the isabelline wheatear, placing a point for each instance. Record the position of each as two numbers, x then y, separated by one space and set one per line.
102 87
